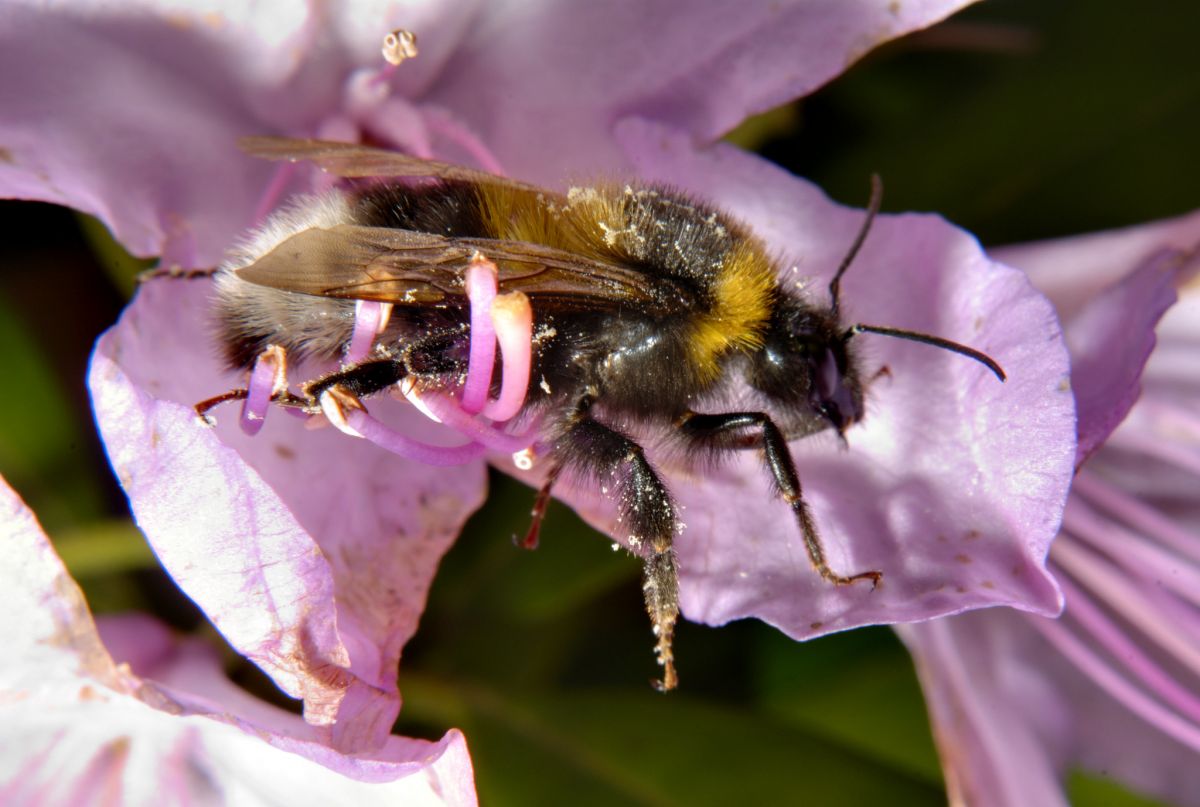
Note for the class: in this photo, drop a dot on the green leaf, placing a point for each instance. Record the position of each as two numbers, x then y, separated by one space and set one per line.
1089 790
857 689
603 748
104 548
121 267
40 447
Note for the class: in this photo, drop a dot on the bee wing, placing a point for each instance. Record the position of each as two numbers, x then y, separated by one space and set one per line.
406 267
354 160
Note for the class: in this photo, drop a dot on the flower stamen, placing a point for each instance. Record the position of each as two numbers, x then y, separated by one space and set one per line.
267 380
481 287
348 414
370 320
399 46
512 317
447 410
1113 638
1115 685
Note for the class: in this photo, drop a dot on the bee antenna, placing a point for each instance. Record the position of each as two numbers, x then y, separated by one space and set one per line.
913 336
872 210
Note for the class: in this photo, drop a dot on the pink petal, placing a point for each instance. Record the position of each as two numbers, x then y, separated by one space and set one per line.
147 142
1110 341
1011 716
102 748
701 67
110 115
190 674
49 626
993 717
954 484
78 729
1017 701
1072 271
132 112
312 552
1111 289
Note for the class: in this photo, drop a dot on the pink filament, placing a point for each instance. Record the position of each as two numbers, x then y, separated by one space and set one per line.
265 380
1128 509
382 74
443 124
512 318
481 292
1122 591
368 315
391 440
1118 643
400 123
1136 554
1152 445
1115 685
453 415
274 190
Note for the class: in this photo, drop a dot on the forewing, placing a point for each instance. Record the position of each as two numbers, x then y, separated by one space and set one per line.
414 268
355 160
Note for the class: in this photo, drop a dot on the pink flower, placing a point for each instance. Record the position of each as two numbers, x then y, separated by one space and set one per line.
124 713
312 552
1113 686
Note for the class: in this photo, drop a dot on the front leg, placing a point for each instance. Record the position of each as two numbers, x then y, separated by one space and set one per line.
714 432
585 445
430 357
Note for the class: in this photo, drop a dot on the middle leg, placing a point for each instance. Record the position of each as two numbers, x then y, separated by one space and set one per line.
715 432
585 445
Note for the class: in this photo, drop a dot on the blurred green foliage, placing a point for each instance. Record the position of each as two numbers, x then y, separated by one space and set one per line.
1019 120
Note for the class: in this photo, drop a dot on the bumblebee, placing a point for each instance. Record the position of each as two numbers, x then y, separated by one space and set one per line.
655 312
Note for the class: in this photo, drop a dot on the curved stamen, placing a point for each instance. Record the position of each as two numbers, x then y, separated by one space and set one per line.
267 379
387 438
1154 445
399 123
370 320
447 410
1173 420
441 123
274 191
350 417
512 317
481 289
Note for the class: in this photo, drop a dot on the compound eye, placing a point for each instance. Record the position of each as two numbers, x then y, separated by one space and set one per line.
829 377
834 400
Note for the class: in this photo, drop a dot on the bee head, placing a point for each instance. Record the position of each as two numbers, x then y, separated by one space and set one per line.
806 368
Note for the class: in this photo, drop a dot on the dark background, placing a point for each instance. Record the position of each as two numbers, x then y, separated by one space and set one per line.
1018 120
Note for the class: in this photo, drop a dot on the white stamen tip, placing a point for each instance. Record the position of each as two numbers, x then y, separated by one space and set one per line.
523 459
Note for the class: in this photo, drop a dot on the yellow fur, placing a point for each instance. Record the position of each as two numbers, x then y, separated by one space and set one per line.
597 223
739 317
